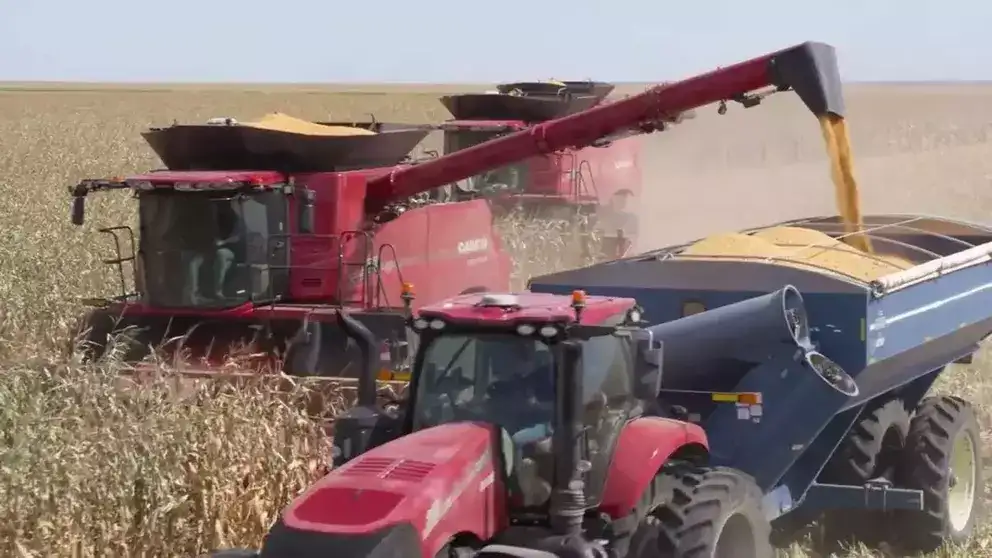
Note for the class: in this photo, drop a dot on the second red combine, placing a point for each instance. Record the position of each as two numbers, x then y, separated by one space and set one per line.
593 188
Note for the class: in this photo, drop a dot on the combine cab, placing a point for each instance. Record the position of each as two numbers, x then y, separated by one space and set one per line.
597 187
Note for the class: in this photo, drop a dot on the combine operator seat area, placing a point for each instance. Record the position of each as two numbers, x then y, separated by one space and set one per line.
210 249
495 358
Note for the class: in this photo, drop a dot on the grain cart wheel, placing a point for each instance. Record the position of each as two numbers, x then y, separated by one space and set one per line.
942 458
713 512
871 450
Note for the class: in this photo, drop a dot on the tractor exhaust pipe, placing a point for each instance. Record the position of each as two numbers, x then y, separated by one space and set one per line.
568 495
371 359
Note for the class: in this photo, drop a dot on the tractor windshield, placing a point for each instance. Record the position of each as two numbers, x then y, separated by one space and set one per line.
500 378
206 249
509 380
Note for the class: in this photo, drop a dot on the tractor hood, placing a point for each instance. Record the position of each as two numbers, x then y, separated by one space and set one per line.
435 482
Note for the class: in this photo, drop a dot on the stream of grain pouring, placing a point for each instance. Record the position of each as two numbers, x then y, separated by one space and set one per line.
838 142
852 256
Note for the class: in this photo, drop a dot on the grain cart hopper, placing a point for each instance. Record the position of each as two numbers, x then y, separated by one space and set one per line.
575 462
595 187
903 466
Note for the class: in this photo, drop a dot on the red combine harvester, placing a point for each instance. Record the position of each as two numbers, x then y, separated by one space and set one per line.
528 431
592 186
262 259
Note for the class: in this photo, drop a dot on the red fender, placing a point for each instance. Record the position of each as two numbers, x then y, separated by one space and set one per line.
645 444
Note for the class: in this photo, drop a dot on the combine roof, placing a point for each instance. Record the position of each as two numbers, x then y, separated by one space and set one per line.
273 144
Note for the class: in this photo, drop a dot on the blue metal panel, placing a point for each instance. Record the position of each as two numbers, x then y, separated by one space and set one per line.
921 313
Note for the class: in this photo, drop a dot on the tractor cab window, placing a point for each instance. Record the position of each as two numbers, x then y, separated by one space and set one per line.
206 249
501 378
509 380
607 394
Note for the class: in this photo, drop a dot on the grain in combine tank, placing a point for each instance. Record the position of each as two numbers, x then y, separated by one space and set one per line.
280 122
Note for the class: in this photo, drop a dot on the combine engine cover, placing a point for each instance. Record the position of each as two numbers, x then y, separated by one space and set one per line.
405 498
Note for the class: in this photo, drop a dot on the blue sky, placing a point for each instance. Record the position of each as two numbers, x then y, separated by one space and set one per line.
482 41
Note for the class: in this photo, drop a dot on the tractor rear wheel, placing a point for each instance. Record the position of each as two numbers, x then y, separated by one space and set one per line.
713 512
871 451
943 459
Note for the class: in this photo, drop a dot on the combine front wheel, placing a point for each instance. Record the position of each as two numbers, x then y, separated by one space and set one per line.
713 512
942 459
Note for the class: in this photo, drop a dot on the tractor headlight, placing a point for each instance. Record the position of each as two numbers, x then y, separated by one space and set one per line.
420 324
437 325
526 329
549 331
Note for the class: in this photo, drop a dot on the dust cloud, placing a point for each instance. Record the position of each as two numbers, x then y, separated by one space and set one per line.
917 149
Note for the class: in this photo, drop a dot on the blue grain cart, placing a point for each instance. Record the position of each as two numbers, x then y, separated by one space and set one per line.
816 383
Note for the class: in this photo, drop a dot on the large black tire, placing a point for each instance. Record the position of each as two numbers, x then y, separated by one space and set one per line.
872 450
713 512
928 463
644 540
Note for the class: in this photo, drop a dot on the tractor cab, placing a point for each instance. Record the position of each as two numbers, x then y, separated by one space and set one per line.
544 369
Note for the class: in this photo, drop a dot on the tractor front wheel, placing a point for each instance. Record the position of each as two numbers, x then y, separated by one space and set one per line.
713 512
942 458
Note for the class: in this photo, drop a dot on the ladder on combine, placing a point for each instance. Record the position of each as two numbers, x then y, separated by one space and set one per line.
582 184
120 260
371 294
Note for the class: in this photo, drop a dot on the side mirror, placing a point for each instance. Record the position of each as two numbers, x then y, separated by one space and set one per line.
647 365
307 199
78 210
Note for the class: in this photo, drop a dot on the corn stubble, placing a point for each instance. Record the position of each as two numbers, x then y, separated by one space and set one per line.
88 468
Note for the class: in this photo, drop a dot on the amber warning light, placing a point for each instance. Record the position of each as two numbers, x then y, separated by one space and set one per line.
407 294
578 303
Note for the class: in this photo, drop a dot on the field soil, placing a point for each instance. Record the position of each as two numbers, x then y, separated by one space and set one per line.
918 149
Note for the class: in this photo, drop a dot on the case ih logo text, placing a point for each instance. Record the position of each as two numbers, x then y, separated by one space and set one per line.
473 245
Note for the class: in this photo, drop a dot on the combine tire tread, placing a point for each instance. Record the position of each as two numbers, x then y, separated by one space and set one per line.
703 500
925 466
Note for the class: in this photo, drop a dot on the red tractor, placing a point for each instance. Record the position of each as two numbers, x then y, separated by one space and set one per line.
595 186
531 429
